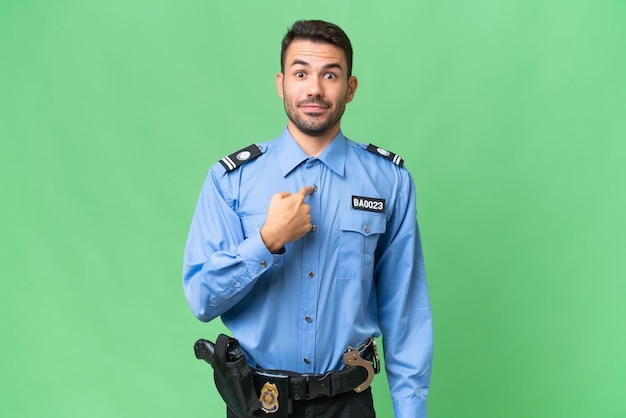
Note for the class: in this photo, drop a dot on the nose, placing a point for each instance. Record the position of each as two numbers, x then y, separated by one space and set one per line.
314 87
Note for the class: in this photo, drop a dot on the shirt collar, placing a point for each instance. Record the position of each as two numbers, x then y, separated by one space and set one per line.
290 155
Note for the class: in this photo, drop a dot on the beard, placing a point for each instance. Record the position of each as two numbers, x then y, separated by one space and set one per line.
314 125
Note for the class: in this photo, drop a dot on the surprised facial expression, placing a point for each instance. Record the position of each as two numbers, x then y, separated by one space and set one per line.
315 87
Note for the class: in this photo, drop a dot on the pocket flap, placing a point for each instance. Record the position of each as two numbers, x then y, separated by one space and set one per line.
365 223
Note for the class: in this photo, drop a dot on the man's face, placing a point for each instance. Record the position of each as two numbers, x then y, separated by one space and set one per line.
315 87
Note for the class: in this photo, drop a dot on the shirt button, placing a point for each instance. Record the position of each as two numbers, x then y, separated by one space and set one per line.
366 229
307 361
263 263
308 319
313 228
311 274
315 187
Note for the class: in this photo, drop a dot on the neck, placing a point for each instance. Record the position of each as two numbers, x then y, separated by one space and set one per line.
312 145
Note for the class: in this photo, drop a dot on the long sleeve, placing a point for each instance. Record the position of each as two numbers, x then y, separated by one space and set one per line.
358 274
220 263
404 309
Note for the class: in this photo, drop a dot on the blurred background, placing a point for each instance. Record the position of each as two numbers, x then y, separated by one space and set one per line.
510 115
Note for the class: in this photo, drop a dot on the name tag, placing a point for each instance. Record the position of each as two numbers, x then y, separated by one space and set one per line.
370 204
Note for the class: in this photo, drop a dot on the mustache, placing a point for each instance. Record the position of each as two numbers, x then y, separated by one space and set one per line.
315 101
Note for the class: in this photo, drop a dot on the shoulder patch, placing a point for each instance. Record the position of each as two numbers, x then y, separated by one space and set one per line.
236 159
394 158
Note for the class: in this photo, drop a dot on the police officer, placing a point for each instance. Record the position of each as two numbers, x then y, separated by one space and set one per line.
308 244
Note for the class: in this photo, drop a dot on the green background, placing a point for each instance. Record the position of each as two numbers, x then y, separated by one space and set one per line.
509 114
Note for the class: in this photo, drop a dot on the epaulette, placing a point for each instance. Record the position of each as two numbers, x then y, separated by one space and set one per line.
236 159
394 158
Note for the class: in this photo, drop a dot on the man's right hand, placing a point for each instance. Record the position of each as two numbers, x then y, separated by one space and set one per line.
288 219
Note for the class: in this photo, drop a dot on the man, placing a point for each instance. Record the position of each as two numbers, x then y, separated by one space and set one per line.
308 244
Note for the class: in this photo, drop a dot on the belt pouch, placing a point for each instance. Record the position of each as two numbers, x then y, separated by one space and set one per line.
234 379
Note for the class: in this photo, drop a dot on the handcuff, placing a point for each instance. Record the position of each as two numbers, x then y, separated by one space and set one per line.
353 358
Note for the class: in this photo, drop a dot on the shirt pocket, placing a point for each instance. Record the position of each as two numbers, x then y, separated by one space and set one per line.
251 225
357 243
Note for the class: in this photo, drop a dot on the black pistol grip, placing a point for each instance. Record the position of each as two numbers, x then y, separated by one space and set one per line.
205 350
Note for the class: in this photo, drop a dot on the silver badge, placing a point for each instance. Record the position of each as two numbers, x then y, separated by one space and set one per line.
383 152
243 156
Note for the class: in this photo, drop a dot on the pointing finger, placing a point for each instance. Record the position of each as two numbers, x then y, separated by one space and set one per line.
282 194
305 191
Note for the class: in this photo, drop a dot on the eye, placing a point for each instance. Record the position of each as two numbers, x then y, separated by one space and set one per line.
299 74
330 76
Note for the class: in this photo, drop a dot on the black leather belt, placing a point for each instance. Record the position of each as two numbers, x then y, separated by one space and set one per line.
297 386
311 386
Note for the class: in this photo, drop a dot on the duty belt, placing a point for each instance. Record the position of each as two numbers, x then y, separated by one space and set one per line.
277 386
255 392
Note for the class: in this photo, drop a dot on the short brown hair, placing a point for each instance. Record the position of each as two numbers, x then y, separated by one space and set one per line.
317 31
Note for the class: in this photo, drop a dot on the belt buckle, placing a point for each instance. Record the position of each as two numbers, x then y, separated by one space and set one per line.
318 386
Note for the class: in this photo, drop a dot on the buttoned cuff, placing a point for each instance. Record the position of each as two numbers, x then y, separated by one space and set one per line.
410 408
256 255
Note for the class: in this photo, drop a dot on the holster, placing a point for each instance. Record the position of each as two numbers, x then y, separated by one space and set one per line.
253 393
233 377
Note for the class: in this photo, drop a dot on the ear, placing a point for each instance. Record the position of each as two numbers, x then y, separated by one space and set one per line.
279 85
353 83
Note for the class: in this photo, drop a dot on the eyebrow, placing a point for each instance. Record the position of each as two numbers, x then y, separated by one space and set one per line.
326 67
